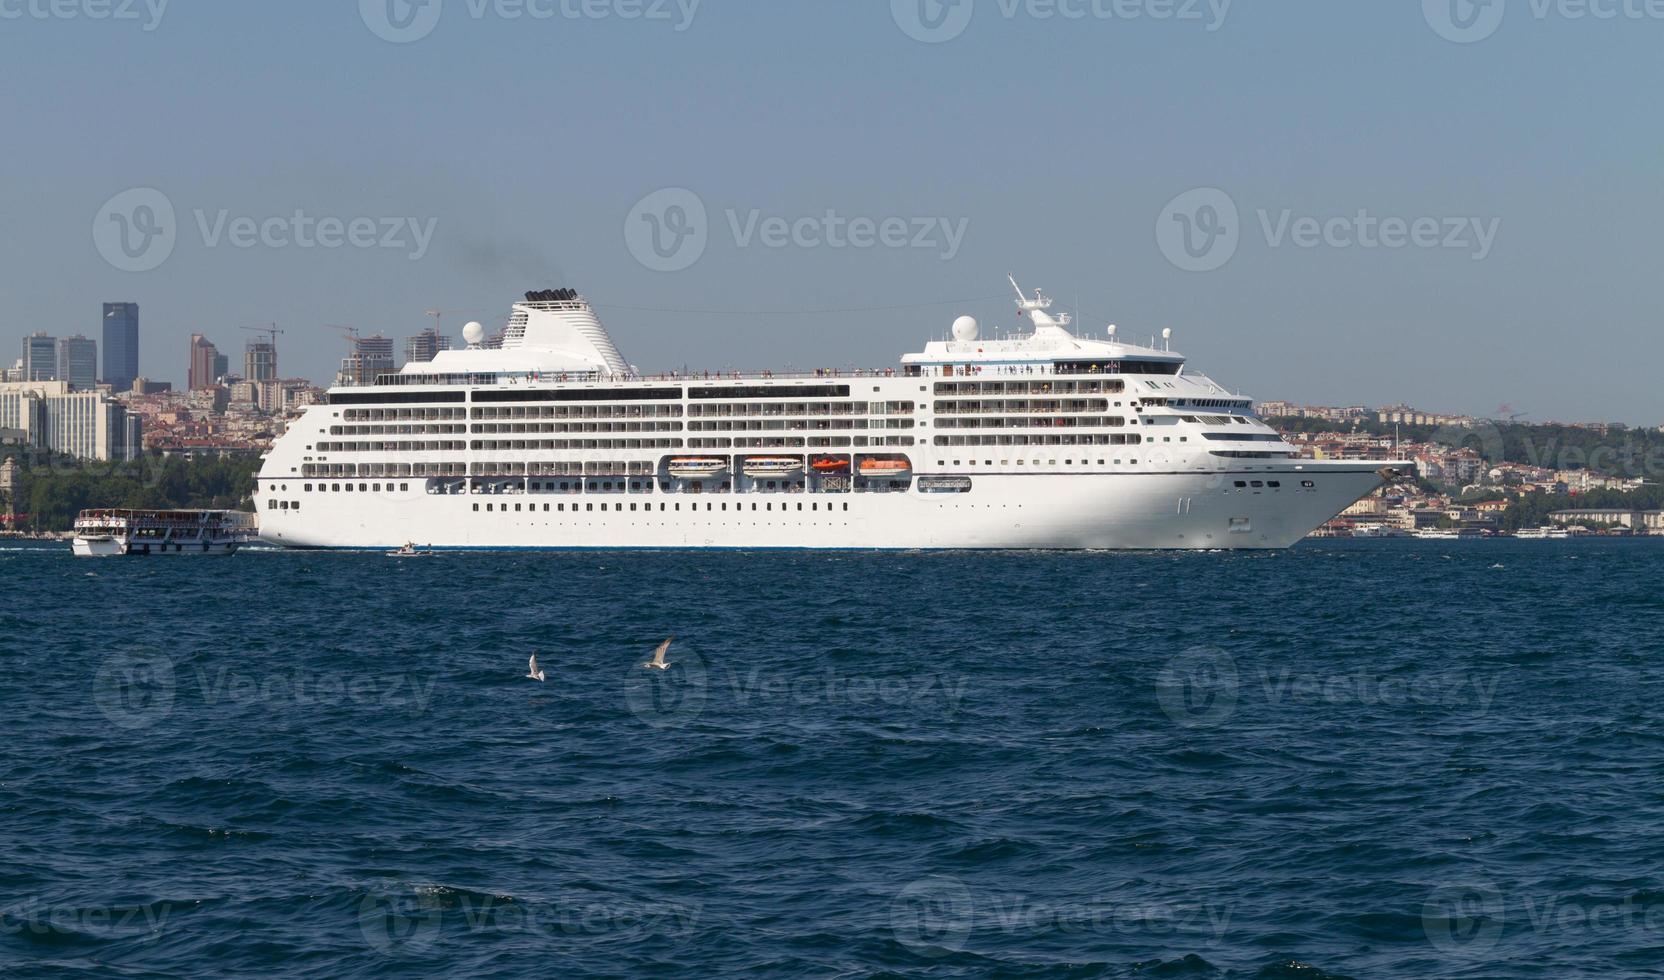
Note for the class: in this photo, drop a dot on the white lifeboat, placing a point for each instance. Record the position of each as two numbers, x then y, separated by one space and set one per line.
697 467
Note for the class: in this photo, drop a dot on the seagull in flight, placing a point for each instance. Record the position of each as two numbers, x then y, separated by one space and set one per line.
535 673
658 660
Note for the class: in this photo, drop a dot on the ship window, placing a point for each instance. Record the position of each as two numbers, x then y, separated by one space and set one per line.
588 507
295 505
361 488
309 488
517 508
1241 484
1257 484
349 488
403 487
377 487
1307 484
1273 483
846 506
476 508
491 507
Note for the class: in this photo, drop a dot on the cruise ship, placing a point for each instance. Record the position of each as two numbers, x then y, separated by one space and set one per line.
1038 439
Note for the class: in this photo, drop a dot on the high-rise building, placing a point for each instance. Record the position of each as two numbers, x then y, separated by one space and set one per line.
83 424
222 366
204 367
78 362
121 344
370 357
259 361
40 357
421 348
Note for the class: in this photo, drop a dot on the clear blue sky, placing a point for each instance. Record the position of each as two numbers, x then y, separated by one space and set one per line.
1054 143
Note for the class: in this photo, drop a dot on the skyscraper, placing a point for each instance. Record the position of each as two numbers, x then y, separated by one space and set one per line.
40 357
421 348
259 361
204 358
78 362
121 344
370 357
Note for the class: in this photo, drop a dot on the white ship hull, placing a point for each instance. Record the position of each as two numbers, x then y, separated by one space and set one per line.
1030 511
1047 441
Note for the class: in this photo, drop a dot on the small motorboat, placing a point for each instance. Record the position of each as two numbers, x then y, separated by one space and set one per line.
410 551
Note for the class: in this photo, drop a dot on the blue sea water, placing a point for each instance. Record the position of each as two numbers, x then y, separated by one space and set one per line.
1364 759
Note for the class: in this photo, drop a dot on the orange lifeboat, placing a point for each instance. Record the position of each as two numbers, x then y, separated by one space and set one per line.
829 465
884 467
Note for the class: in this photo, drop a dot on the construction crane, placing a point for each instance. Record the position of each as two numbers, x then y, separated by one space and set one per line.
437 314
271 331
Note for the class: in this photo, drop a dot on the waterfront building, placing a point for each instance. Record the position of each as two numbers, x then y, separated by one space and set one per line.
83 424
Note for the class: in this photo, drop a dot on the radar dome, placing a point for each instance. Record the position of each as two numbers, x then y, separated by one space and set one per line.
473 332
965 328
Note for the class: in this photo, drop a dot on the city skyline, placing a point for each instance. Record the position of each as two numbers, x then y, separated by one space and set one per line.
1334 283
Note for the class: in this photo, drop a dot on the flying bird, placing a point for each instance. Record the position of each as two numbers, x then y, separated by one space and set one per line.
535 674
658 660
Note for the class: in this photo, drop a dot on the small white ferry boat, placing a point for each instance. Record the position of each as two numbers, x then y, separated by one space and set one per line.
113 532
